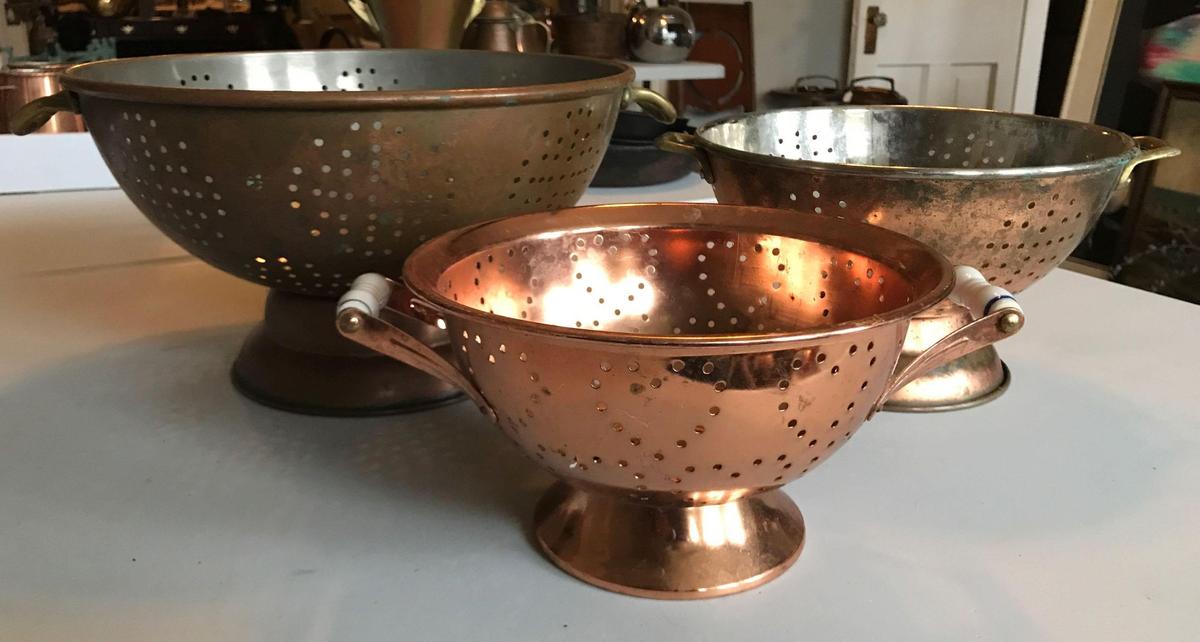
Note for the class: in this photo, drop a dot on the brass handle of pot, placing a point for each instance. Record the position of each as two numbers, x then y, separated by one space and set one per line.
997 316
888 79
651 102
835 85
545 28
32 115
1149 149
684 143
359 318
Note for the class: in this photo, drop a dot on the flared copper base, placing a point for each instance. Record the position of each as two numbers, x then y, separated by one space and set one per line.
295 360
668 551
968 381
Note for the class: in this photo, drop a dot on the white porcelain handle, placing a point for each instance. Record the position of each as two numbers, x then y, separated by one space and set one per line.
368 294
973 292
360 318
995 315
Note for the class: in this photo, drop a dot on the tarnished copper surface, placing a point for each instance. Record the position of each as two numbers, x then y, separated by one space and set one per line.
669 356
295 361
975 378
1009 194
300 170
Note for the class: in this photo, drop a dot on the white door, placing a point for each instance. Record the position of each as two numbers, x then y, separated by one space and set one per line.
965 53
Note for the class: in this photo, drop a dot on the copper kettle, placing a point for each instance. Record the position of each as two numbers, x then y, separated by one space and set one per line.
416 24
502 27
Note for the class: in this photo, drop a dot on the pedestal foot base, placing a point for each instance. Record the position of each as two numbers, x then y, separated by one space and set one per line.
669 551
969 381
321 384
295 360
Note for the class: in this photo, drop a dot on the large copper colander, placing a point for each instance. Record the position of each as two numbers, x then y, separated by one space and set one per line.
1008 193
674 365
299 170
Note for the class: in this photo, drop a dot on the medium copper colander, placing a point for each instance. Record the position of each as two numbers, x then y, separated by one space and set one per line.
299 170
1010 194
674 364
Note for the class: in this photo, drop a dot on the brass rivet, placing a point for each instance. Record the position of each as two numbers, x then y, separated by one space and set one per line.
1009 323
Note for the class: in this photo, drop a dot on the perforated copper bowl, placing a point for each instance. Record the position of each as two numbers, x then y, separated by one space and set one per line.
1011 194
676 364
299 170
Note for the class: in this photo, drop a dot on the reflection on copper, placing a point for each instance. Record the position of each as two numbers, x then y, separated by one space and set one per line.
610 296
717 525
501 303
804 267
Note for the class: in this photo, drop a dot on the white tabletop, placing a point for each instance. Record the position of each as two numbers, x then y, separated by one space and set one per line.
141 498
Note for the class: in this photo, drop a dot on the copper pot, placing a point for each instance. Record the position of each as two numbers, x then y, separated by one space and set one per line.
417 24
23 82
503 27
597 35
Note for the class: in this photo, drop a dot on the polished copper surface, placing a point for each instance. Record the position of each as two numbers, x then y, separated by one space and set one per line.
1009 194
670 356
650 550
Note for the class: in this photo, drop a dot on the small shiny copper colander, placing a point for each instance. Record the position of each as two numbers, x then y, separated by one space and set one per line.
672 357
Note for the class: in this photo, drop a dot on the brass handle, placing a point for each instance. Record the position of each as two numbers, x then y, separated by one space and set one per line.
549 36
651 102
1149 149
541 25
997 316
32 115
359 318
684 143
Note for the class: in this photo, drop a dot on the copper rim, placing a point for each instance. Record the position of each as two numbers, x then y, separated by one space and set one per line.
424 265
622 75
907 171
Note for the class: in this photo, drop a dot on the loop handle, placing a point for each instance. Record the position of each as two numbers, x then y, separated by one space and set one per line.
685 143
651 102
32 115
360 319
997 316
888 79
1149 149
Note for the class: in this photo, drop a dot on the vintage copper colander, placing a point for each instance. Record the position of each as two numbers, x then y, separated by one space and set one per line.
674 365
1010 194
299 170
